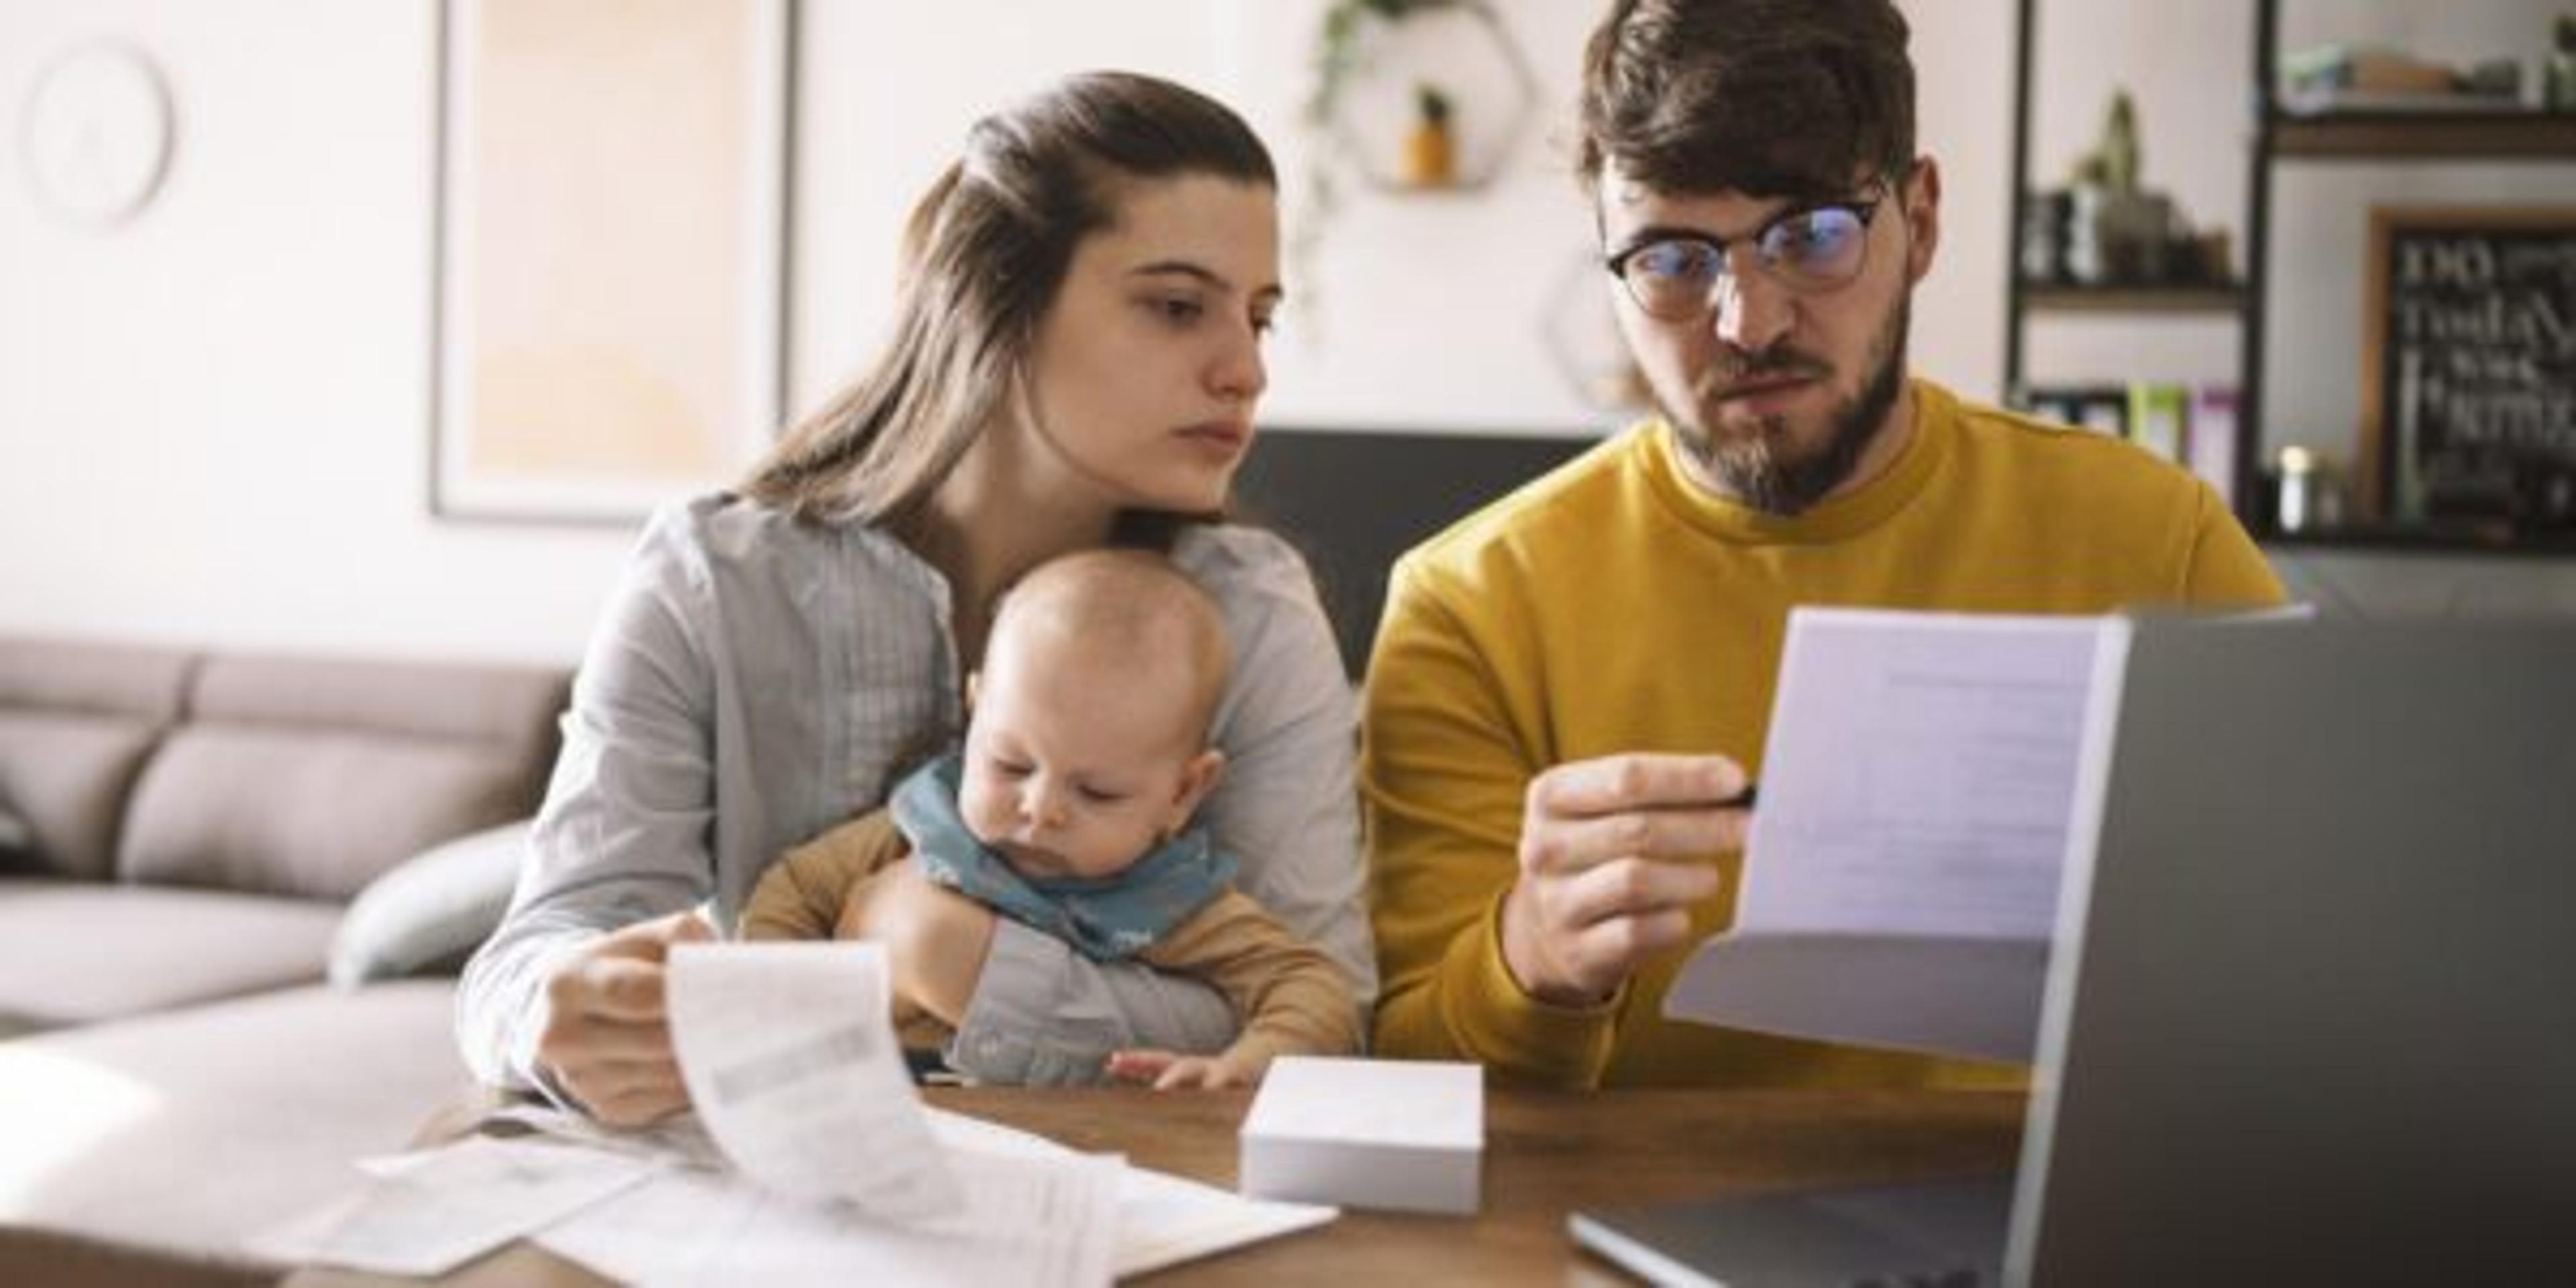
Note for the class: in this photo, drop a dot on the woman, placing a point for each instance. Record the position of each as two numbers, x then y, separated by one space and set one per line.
1075 361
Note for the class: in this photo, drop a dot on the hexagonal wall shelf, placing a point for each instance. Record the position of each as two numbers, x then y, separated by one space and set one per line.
1462 53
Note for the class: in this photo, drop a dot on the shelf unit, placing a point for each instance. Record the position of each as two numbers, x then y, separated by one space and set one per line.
2464 136
2274 138
2051 297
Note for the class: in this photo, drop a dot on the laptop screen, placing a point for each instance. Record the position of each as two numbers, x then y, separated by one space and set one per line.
2316 1021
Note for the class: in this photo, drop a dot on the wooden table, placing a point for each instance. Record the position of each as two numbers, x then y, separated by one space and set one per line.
1545 1155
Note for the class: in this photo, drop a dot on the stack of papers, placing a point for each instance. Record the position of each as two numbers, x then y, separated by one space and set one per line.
811 1159
1407 1135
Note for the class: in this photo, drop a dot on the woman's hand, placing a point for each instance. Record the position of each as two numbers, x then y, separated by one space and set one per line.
1612 858
607 1037
935 938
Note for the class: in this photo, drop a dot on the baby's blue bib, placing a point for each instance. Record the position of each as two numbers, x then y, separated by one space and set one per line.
1104 918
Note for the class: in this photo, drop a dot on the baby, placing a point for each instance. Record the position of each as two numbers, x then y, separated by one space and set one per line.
1069 809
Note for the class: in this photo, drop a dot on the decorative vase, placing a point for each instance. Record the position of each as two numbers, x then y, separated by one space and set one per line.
1431 150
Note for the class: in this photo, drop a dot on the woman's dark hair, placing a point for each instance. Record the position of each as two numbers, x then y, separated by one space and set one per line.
1777 98
984 255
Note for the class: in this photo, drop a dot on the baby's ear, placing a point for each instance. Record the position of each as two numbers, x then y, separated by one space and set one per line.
1198 778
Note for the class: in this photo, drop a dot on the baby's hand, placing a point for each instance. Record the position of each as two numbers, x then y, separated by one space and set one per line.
1168 1071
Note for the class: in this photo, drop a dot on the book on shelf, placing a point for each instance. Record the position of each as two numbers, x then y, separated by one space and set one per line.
2368 78
2103 408
2156 417
2209 445
2194 426
2365 67
2332 100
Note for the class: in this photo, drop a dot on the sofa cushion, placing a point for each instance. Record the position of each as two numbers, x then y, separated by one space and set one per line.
76 721
119 679
310 813
432 911
86 951
508 706
66 774
313 777
186 1132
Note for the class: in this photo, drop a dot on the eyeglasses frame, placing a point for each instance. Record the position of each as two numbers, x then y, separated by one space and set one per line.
1863 208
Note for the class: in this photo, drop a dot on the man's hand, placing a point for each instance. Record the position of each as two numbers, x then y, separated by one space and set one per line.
607 1036
1168 1071
1600 890
935 938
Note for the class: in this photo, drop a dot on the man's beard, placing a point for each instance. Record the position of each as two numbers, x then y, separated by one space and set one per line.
1757 472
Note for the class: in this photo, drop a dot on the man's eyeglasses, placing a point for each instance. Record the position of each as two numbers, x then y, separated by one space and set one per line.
1807 249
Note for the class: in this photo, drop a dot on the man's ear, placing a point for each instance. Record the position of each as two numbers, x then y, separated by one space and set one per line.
974 688
1922 201
1198 778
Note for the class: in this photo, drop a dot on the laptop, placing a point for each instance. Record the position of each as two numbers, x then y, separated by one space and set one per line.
2311 1014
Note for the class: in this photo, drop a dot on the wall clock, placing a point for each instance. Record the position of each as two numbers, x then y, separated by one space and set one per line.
96 140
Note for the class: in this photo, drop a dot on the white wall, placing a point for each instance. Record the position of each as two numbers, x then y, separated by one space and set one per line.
1422 311
214 420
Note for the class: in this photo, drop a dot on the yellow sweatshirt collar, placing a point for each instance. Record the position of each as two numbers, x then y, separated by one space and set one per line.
1848 515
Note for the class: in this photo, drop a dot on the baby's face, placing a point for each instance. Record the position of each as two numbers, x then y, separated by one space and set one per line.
1078 766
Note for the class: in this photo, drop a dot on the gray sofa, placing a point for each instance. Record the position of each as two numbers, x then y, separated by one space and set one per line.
233 890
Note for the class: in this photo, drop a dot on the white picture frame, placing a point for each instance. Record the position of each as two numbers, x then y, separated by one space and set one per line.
610 266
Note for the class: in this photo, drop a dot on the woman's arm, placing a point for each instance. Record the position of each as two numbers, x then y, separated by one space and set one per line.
1286 807
622 836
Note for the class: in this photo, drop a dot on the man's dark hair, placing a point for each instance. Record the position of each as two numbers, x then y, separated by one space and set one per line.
1781 98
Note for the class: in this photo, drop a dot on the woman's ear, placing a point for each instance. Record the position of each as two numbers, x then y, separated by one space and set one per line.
1198 778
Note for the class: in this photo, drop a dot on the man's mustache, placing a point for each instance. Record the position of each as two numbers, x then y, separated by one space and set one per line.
1725 377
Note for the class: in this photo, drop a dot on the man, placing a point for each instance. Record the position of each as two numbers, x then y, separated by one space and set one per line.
1570 686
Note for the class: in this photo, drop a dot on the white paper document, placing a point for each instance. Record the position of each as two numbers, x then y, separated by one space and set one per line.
1918 786
428 1213
1163 1220
1035 1213
1038 1222
810 1159
792 1064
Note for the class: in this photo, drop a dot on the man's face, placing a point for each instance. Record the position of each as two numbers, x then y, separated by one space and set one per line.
1787 390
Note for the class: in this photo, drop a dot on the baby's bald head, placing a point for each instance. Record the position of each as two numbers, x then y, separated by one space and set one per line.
1133 617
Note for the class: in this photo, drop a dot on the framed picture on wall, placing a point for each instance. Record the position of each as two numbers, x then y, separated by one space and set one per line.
611 253
2469 367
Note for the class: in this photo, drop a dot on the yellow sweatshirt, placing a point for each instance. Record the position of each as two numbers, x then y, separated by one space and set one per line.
1615 606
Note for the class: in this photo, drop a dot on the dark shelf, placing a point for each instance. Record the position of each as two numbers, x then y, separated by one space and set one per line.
2426 136
2492 135
2054 297
2426 540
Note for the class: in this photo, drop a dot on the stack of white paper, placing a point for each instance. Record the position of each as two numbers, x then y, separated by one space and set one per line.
1163 1220
1401 1134
428 1213
1041 1222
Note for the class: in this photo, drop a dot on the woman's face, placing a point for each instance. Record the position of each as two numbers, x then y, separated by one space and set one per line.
1145 372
